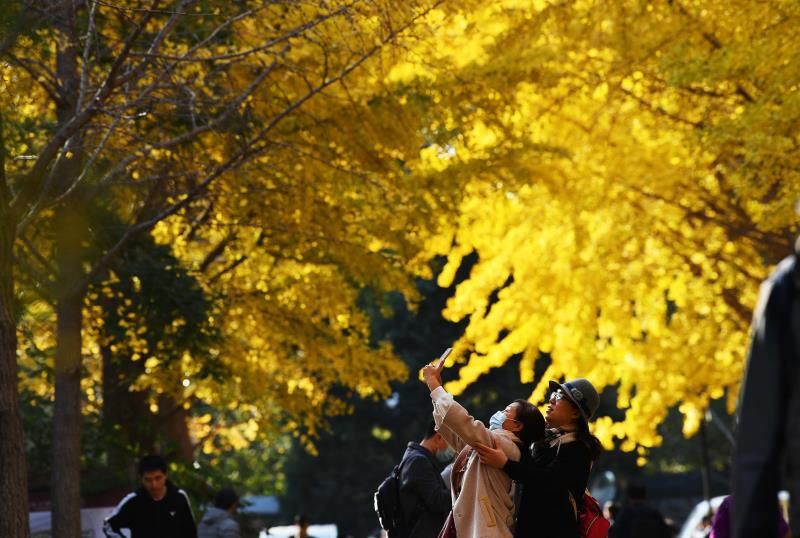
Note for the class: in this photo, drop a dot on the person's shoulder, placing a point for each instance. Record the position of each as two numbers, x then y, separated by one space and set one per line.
416 451
783 278
778 289
131 499
177 493
577 448
229 523
416 459
508 442
785 268
418 464
184 497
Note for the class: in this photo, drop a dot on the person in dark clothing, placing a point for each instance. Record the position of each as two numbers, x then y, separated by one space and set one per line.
721 524
158 509
768 434
424 497
218 521
637 519
555 474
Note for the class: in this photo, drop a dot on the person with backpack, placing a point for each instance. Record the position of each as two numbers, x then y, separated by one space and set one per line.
554 476
424 497
414 499
483 506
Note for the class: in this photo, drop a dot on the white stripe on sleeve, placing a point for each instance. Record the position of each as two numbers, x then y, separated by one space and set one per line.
188 504
107 529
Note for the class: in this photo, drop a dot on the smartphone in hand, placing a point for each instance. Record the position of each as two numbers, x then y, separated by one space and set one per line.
443 357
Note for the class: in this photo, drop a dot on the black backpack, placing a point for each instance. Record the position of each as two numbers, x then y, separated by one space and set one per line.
387 502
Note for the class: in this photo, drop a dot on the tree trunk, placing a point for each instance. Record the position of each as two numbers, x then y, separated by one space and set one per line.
13 470
65 489
70 231
174 422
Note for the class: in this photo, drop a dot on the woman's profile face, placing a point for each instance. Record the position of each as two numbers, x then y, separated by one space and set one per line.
511 410
560 411
511 423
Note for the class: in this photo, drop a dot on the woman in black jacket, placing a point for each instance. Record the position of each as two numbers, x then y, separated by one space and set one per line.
554 475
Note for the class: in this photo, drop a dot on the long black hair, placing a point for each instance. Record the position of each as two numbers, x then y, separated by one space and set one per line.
589 439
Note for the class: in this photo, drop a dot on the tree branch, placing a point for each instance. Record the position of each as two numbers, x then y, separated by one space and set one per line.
36 182
236 263
90 31
251 149
194 133
48 84
716 44
298 30
216 252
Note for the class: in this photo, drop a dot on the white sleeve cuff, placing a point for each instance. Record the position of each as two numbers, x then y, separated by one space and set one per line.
437 393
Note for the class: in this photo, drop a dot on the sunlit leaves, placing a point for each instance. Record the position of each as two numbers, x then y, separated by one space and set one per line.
628 192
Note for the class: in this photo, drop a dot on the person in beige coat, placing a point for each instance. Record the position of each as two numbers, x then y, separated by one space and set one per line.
482 495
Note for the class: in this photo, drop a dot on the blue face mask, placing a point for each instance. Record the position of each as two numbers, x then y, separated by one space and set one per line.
497 421
445 454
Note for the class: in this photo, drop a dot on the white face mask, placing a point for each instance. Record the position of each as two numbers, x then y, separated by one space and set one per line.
446 454
497 421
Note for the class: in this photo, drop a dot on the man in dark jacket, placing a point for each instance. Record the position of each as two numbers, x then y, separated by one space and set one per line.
156 510
637 519
424 498
768 437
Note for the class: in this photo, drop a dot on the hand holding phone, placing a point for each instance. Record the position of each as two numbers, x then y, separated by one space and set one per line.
444 356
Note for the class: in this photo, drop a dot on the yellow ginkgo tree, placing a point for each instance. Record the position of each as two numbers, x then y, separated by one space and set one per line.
633 170
190 111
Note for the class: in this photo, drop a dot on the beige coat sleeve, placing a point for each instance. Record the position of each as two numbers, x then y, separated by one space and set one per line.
452 438
455 424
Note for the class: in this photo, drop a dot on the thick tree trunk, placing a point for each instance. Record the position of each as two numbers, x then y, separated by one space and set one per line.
65 488
13 471
175 427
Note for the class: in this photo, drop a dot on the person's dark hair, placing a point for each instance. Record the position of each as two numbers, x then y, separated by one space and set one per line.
532 422
431 431
152 462
301 519
225 498
592 443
